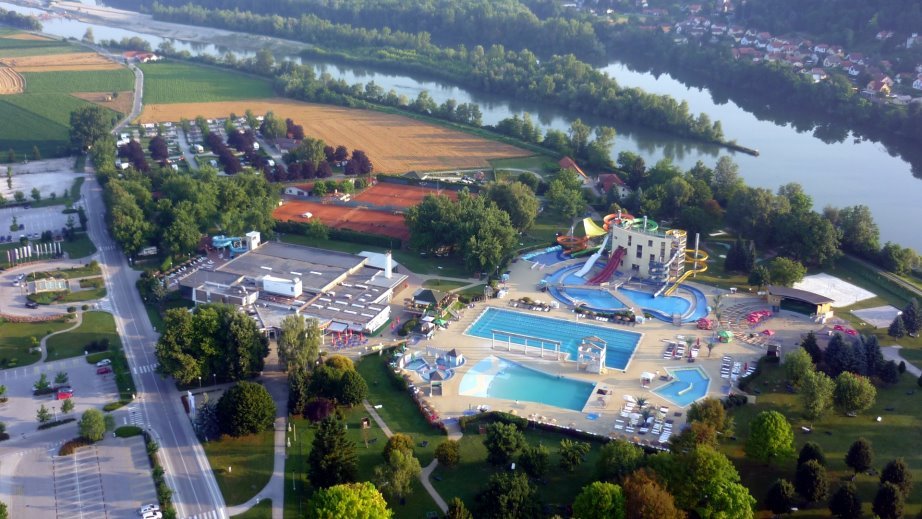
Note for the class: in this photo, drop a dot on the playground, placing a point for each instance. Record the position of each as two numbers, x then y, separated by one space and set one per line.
360 219
385 194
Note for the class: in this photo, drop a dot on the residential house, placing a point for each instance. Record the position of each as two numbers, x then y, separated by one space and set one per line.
856 57
832 61
718 29
736 31
609 181
854 69
821 48
884 35
301 190
917 84
568 163
817 74
836 50
878 87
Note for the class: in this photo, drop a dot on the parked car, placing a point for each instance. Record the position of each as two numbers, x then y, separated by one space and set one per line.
103 362
152 515
104 370
64 393
31 304
148 508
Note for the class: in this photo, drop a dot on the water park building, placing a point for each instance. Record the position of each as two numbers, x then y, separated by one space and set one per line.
273 280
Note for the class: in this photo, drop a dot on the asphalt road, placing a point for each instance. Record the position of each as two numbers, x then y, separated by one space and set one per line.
195 491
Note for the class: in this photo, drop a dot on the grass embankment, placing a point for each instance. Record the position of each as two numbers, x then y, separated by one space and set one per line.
444 285
16 339
834 433
81 247
451 267
174 82
250 459
96 327
261 511
538 164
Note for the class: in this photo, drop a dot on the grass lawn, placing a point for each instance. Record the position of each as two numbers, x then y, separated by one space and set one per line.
540 164
250 458
476 290
173 300
16 339
444 285
85 270
398 410
81 247
417 504
835 433
543 232
410 260
172 82
84 295
470 476
23 128
115 80
261 511
96 326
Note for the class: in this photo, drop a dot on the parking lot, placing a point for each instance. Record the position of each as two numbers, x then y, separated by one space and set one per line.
34 221
48 176
19 412
78 490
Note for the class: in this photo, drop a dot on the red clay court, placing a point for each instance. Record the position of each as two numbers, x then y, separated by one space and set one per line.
398 195
341 217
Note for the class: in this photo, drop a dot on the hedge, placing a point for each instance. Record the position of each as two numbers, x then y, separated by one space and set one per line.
127 431
49 425
70 446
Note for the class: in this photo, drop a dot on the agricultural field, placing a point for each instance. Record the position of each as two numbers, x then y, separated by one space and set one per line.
184 83
42 81
395 144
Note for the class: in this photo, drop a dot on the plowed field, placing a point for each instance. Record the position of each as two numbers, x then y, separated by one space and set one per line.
59 62
10 81
121 104
394 143
340 217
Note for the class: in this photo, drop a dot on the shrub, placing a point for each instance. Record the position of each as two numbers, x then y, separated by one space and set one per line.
318 409
448 453
245 408
127 431
85 307
112 406
70 446
49 425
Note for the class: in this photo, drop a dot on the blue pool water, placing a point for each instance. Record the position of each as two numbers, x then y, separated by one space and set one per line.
663 307
621 344
494 377
690 385
549 258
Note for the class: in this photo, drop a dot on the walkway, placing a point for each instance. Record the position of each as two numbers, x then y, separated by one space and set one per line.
893 353
42 344
427 470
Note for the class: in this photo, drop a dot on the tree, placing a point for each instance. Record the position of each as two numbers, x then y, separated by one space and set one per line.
396 477
912 317
645 498
88 125
4 514
780 497
67 406
888 502
811 481
332 460
508 495
785 272
759 276
360 500
796 366
565 194
457 510
811 451
889 373
88 35
535 460
42 383
572 454
599 500
353 388
516 199
897 327
859 456
898 473
61 378
398 442
704 479
43 415
448 453
845 502
853 393
36 153
816 394
503 442
858 230
711 411
245 408
92 425
770 437
617 459
810 345
318 409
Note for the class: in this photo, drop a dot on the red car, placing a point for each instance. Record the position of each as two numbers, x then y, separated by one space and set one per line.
103 370
64 394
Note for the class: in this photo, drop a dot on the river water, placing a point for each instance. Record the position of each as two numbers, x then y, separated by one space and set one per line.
840 173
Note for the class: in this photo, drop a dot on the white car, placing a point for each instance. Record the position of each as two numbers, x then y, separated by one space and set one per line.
148 509
103 362
152 515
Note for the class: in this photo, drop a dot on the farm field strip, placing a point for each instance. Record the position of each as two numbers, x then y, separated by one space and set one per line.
117 80
11 82
395 144
184 83
56 62
343 217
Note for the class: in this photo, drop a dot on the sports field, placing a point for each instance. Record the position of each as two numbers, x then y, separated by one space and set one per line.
170 82
397 195
395 144
340 217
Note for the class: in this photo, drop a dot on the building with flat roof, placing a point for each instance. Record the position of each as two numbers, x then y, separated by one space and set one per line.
274 280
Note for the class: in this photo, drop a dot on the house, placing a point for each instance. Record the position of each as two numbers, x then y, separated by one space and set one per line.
568 163
832 61
913 40
854 69
817 74
821 48
718 28
736 31
141 57
856 57
917 84
836 50
884 35
609 181
878 87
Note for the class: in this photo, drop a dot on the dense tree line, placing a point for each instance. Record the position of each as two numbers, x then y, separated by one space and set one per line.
562 80
187 205
20 21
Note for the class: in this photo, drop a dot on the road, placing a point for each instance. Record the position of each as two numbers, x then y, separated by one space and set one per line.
195 491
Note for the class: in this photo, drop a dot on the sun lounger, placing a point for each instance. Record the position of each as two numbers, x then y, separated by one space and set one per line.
629 429
619 427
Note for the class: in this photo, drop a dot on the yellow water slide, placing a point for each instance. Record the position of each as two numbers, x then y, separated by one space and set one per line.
699 265
592 229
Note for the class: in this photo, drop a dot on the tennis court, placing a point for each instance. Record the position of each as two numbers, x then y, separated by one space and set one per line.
399 195
359 219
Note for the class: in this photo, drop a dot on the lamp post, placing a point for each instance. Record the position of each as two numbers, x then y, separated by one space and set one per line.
214 377
54 414
200 382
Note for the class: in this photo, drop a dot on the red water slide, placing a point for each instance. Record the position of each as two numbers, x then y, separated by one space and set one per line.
610 267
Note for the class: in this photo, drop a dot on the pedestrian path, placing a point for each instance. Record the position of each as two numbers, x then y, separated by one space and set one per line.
148 368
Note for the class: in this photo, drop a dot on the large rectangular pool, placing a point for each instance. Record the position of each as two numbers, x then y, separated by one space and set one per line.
494 377
621 344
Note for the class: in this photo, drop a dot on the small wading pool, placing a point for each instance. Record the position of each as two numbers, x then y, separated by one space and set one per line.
494 377
690 385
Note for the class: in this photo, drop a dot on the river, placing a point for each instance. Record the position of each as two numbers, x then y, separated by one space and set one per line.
839 173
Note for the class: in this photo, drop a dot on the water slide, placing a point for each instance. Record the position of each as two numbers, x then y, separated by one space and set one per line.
572 243
610 267
592 259
699 265
592 229
233 243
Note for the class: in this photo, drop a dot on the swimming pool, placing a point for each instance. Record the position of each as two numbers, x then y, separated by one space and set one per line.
690 385
494 377
621 344
663 307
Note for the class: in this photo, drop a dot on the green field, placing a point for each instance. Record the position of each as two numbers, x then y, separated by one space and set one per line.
250 459
261 511
185 83
117 80
22 129
16 339
80 247
95 326
12 48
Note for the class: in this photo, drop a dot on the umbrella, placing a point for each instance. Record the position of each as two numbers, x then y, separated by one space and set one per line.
768 332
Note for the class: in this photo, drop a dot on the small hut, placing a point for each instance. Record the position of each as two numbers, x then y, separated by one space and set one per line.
590 355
